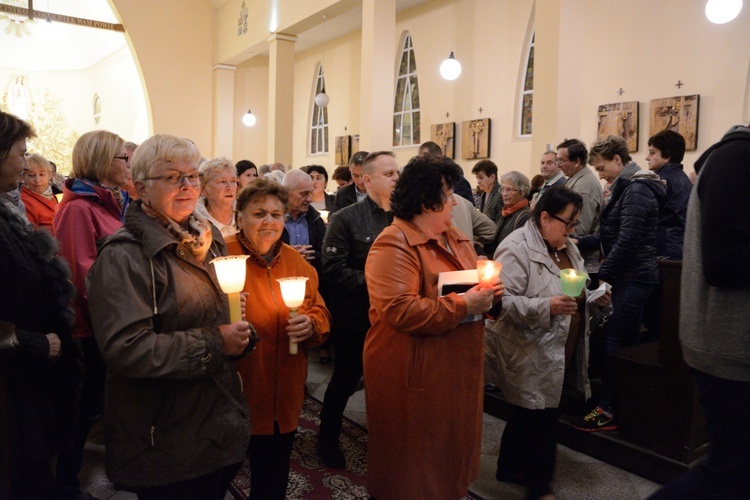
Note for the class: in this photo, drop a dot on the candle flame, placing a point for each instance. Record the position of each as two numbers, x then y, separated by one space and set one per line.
572 273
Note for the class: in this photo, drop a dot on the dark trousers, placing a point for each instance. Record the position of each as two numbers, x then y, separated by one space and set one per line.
90 408
621 330
212 486
347 371
725 473
528 449
269 464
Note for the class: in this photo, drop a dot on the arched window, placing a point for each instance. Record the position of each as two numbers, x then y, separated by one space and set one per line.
319 118
527 91
406 122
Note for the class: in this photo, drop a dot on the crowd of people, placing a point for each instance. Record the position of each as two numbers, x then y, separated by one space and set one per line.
111 307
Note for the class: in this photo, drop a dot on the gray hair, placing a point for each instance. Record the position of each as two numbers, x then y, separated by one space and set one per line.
519 180
210 168
294 177
275 176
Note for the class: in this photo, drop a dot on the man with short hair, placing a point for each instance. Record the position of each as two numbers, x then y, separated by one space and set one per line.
355 191
351 233
571 158
304 227
462 187
551 172
278 166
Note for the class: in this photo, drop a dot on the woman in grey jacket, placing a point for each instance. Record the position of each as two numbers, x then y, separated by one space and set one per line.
177 425
539 334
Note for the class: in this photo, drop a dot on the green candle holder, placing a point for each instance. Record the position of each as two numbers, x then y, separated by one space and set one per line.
573 281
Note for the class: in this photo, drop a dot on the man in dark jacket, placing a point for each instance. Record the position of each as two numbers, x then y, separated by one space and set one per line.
462 187
628 240
351 233
355 191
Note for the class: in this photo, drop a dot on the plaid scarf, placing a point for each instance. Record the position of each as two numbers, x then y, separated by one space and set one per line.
196 235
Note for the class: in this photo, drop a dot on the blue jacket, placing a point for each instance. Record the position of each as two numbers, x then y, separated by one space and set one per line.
671 229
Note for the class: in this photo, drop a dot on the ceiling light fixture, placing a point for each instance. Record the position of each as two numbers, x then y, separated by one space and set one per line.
249 119
722 11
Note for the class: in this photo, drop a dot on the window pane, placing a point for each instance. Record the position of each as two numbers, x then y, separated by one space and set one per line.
325 140
416 128
414 93
396 130
313 140
526 114
400 87
406 129
412 62
529 83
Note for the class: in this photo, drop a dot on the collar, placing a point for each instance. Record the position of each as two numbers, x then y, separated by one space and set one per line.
554 178
415 236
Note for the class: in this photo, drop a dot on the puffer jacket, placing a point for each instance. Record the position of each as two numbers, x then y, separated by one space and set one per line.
671 230
627 233
525 346
174 407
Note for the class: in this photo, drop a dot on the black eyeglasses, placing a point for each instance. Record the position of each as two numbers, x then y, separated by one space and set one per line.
570 225
176 180
124 158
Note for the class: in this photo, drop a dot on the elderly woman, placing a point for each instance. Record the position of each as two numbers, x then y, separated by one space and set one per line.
423 354
274 379
176 423
35 312
539 334
246 172
37 194
491 202
93 207
514 188
320 199
219 182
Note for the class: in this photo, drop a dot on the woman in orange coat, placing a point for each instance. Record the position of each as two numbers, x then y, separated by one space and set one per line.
274 380
423 355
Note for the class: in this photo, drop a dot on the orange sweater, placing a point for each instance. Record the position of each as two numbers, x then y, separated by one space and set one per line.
273 379
39 210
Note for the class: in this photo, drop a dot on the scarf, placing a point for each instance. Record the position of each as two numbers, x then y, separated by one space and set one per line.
196 236
12 201
510 209
261 260
117 193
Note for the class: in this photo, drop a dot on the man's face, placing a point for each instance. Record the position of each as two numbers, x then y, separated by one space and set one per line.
655 159
382 180
549 167
563 162
357 178
300 197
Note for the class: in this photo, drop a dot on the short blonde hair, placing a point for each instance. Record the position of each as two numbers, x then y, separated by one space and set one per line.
39 160
211 168
162 149
93 154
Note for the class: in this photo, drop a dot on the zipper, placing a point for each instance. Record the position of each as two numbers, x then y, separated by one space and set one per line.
277 354
153 428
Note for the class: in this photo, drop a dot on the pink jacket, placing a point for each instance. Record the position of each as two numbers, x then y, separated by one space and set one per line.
86 214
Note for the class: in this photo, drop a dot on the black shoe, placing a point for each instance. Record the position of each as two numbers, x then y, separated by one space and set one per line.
505 477
330 454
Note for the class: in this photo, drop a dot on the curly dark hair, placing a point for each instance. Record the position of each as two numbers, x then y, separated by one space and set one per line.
342 173
317 168
420 186
260 188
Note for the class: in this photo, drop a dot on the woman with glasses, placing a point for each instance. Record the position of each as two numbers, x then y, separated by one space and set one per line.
177 425
539 335
219 182
514 189
93 207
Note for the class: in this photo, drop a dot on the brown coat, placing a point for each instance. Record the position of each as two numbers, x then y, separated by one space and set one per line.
274 380
423 369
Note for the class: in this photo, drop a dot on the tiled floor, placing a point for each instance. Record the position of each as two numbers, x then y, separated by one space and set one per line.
578 476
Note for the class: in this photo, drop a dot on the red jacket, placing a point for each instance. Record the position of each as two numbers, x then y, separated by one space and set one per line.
273 379
86 214
40 210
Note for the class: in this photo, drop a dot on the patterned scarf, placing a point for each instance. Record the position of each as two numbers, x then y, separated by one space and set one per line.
510 209
196 235
261 260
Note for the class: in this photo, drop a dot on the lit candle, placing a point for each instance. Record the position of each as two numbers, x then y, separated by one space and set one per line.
293 294
324 215
572 281
230 271
488 271
59 197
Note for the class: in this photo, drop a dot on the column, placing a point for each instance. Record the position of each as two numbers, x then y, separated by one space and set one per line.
223 111
377 74
280 97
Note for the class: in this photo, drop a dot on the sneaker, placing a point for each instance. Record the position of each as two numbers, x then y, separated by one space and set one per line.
596 420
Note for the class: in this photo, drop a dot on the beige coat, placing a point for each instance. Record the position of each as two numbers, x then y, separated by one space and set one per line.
525 347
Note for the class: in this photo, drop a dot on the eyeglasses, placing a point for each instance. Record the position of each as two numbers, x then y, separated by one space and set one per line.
560 162
124 158
508 190
175 180
570 225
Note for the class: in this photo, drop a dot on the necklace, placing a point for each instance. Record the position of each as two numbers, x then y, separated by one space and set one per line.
557 257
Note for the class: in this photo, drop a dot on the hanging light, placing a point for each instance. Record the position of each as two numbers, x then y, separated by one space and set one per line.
450 69
249 119
322 99
722 11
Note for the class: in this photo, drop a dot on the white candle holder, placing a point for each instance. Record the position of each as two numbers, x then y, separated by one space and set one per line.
293 294
231 271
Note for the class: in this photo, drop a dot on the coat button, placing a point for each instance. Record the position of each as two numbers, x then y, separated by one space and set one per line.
182 253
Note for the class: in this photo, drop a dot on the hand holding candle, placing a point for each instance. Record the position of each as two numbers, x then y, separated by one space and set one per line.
488 271
572 281
293 294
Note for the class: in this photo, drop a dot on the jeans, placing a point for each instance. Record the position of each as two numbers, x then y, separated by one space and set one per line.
724 472
621 330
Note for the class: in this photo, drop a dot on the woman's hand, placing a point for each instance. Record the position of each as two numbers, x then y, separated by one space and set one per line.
498 289
562 304
604 300
235 337
299 328
243 303
54 346
479 299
